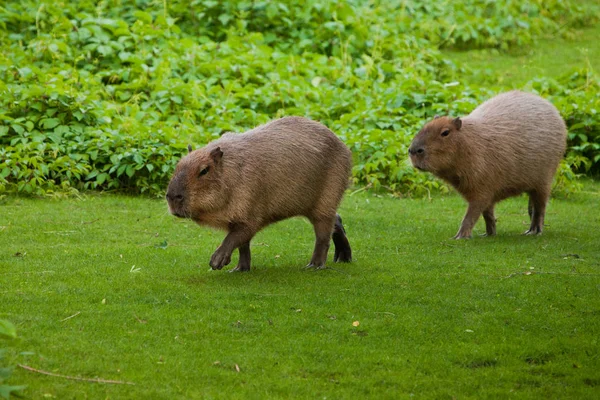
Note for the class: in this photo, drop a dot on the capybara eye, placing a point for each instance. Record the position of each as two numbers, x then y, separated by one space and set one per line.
446 132
204 171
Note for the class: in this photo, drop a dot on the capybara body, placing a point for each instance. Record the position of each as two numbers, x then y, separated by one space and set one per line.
241 183
510 144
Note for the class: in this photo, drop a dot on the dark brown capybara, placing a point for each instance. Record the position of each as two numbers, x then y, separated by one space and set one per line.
241 183
509 145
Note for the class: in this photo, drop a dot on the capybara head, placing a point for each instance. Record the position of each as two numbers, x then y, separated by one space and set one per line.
196 186
433 149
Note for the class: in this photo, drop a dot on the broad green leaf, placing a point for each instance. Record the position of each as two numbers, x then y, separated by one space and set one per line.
18 128
5 373
49 123
7 329
6 391
100 178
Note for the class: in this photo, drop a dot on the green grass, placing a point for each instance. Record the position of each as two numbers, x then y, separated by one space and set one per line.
508 316
549 57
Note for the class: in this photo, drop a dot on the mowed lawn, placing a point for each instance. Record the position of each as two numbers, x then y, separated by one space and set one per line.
113 287
550 57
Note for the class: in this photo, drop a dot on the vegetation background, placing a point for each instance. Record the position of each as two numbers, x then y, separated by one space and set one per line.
106 95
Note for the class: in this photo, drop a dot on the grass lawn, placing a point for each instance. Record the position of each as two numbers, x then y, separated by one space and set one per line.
549 57
114 287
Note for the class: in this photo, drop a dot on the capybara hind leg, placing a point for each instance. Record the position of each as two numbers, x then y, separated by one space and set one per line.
490 221
473 212
323 231
244 261
238 235
343 252
538 199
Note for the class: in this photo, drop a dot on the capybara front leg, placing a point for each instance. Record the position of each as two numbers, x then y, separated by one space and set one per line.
538 200
490 221
343 252
323 233
237 236
473 212
244 261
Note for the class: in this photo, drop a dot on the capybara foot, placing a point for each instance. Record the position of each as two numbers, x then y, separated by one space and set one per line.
343 251
533 231
241 268
490 230
315 266
220 259
487 234
342 255
461 235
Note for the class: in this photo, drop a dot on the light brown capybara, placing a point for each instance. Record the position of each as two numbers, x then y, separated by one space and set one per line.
510 144
241 183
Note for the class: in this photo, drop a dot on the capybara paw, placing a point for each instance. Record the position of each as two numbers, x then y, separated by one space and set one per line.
315 266
461 235
219 260
533 231
241 268
342 256
487 234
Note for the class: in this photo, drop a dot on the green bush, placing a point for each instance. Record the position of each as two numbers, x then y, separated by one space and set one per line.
495 24
107 95
577 96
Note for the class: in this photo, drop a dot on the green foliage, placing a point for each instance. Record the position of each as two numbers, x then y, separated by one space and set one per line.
7 331
578 98
496 24
107 95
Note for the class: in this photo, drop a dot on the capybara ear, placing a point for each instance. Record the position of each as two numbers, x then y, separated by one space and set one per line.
189 148
457 123
436 116
216 155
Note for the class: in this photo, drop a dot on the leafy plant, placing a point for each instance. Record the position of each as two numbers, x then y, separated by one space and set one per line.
107 95
7 331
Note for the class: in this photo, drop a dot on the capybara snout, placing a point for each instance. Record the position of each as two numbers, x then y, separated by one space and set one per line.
415 150
175 198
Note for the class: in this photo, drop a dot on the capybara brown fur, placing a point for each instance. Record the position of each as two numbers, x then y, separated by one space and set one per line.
241 183
510 144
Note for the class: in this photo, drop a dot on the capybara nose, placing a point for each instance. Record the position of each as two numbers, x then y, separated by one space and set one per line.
177 197
414 151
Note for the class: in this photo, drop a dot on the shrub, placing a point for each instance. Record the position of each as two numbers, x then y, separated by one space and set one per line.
107 95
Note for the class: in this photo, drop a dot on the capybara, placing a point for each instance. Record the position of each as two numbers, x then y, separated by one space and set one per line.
510 144
241 183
